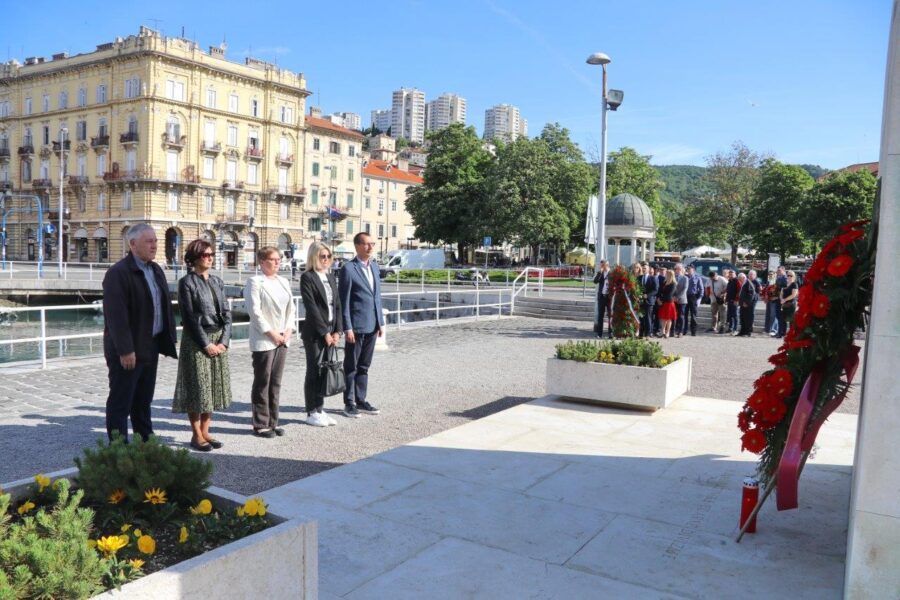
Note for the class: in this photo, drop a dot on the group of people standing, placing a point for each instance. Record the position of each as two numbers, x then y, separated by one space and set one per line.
670 299
140 326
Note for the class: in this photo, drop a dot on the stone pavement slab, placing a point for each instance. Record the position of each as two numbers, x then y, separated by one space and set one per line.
628 504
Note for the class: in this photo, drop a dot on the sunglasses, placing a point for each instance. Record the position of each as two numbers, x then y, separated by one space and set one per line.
208 254
325 256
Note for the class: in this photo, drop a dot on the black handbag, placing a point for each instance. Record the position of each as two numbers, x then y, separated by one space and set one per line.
331 371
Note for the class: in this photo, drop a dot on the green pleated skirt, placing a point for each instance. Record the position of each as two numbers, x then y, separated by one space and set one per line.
203 384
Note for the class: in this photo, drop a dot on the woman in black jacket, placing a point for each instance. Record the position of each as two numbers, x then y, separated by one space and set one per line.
322 327
666 301
203 383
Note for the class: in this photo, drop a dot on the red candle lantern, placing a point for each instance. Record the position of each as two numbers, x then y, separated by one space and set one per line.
749 499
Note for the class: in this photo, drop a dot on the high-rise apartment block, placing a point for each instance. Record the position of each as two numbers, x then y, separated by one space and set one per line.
444 110
351 120
408 115
504 122
159 131
381 120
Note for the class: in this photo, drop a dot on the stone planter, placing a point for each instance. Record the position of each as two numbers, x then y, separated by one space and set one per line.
619 385
278 562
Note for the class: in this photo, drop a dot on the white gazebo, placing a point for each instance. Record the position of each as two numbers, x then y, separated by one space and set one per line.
630 230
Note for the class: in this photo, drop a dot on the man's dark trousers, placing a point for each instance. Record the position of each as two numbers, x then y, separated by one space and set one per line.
690 316
130 395
357 359
603 309
732 317
747 314
680 313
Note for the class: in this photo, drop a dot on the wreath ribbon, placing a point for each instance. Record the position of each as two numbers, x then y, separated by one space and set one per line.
620 290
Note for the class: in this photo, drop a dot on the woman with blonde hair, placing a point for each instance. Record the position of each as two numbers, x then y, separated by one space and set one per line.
203 383
666 301
270 303
322 327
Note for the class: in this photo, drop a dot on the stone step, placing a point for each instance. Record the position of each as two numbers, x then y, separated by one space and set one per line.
546 313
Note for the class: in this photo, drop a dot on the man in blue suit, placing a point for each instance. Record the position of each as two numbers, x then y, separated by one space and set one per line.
649 286
360 289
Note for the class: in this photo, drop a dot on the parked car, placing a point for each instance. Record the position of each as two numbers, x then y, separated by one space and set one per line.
706 266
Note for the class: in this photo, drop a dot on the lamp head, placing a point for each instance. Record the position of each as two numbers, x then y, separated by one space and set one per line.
598 58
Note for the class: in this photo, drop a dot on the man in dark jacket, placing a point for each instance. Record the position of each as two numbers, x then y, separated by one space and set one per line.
731 294
748 297
602 281
694 295
139 325
649 288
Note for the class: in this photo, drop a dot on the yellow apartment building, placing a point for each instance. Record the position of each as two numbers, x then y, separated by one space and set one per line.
333 176
160 131
384 213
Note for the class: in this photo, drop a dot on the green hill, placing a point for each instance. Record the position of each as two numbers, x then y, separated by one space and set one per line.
682 183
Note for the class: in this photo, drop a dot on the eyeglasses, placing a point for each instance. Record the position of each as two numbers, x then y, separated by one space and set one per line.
208 254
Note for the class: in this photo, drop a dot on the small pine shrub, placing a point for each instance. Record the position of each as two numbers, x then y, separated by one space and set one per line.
580 351
139 466
47 555
630 351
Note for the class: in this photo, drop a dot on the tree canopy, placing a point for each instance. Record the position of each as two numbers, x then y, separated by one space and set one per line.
628 171
839 198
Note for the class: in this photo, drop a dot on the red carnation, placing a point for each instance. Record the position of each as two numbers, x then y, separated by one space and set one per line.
800 344
801 320
754 441
779 359
854 225
782 383
827 248
771 415
815 273
851 236
759 399
840 265
820 306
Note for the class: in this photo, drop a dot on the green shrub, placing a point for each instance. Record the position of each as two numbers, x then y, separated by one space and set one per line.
140 466
47 555
630 351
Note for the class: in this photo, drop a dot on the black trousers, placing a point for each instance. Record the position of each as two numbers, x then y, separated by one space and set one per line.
130 395
357 360
747 313
265 394
690 316
647 314
732 317
602 313
312 384
680 326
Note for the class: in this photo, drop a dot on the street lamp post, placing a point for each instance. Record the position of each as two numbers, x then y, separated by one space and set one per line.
63 133
599 58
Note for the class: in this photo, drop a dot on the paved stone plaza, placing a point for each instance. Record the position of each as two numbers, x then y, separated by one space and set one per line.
432 379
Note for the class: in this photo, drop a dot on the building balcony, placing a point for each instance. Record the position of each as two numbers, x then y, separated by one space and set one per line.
78 180
26 150
233 185
224 218
41 183
256 154
185 177
173 140
67 146
131 137
287 159
101 141
210 147
4 152
5 185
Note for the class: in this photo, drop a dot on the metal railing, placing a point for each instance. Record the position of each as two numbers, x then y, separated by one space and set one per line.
487 303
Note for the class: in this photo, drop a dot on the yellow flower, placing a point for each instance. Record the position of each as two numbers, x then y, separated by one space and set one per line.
254 507
203 508
116 497
183 535
155 496
26 506
137 533
125 527
146 544
136 563
240 511
42 480
124 537
110 544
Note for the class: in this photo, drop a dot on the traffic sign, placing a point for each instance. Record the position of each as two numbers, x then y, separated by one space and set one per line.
50 228
487 241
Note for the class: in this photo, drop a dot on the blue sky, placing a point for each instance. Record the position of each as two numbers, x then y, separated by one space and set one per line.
800 79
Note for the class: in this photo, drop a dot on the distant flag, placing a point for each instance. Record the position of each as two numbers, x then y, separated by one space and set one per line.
590 235
334 214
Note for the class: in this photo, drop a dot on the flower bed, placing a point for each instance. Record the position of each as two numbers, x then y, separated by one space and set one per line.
59 543
628 373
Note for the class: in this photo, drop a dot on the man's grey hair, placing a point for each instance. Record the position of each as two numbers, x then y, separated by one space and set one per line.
135 231
678 265
752 272
742 276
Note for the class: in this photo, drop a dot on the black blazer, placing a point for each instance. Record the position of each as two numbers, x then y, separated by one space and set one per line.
731 290
128 312
316 324
650 288
749 292
667 292
204 308
600 278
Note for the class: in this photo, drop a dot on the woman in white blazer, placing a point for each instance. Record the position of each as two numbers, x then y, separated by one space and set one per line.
272 318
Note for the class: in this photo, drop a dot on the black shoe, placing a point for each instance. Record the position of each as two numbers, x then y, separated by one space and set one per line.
278 431
268 433
201 447
350 411
367 408
216 444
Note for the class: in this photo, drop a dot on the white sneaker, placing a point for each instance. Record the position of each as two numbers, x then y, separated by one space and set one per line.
316 420
329 420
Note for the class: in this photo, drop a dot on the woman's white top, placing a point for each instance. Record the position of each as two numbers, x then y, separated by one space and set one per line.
270 305
329 294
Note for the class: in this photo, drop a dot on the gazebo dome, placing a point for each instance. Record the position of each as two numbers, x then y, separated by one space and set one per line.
629 210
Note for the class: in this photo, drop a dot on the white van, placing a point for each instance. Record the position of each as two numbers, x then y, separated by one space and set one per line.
434 258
